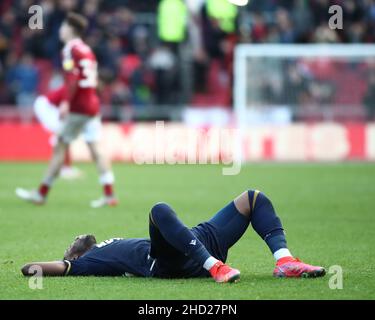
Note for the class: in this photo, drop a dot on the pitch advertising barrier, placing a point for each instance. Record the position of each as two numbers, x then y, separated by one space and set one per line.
179 143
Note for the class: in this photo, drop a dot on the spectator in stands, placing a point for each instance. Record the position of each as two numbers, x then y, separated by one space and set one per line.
302 19
164 64
319 9
259 31
120 97
90 11
296 85
198 53
370 12
285 26
323 34
369 98
219 18
172 20
22 78
118 31
7 20
219 35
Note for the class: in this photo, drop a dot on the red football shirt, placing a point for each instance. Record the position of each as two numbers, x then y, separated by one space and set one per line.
80 74
56 96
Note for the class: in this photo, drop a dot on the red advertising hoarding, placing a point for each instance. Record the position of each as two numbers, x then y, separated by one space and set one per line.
176 142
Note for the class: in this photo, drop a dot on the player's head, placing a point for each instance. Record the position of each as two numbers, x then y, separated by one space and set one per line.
74 26
79 246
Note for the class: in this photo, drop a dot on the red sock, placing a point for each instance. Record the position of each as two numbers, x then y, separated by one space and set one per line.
108 190
67 158
43 190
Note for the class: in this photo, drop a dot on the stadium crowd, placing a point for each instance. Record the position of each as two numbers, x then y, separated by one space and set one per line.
162 52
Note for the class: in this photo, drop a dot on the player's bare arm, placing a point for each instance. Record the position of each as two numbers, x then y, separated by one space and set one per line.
51 268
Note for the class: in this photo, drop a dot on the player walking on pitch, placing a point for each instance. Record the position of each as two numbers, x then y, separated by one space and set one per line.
79 109
173 250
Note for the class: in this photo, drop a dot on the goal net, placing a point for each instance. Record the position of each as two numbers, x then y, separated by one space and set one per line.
319 82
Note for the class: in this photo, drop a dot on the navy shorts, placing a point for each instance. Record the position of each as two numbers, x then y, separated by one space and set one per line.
222 231
218 234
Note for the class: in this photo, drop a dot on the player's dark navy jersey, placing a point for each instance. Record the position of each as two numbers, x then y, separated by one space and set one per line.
114 257
124 257
117 257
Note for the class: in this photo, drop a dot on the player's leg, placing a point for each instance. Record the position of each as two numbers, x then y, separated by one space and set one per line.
69 130
258 209
54 167
91 134
106 177
48 115
39 196
68 171
268 226
231 222
165 225
159 246
168 261
254 207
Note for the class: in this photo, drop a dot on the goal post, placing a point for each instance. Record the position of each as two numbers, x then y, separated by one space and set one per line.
276 82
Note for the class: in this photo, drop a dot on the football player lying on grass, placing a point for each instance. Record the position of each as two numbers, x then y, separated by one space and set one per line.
174 250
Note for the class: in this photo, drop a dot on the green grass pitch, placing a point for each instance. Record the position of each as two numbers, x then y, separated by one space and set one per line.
328 211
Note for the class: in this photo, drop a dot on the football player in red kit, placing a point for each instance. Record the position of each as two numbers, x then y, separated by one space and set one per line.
79 107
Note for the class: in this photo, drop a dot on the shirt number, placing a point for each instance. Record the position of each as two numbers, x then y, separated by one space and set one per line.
106 242
90 72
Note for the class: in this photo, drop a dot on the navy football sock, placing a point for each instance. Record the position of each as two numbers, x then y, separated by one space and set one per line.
177 234
265 222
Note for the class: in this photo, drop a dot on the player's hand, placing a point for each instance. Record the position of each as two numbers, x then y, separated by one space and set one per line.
64 109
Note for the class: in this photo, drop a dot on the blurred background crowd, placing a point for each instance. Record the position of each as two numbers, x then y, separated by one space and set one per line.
163 53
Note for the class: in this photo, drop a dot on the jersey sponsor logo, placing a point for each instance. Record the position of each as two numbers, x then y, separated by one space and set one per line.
68 64
193 242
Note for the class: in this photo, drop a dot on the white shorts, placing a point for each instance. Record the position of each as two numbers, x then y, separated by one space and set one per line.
47 114
70 127
74 124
